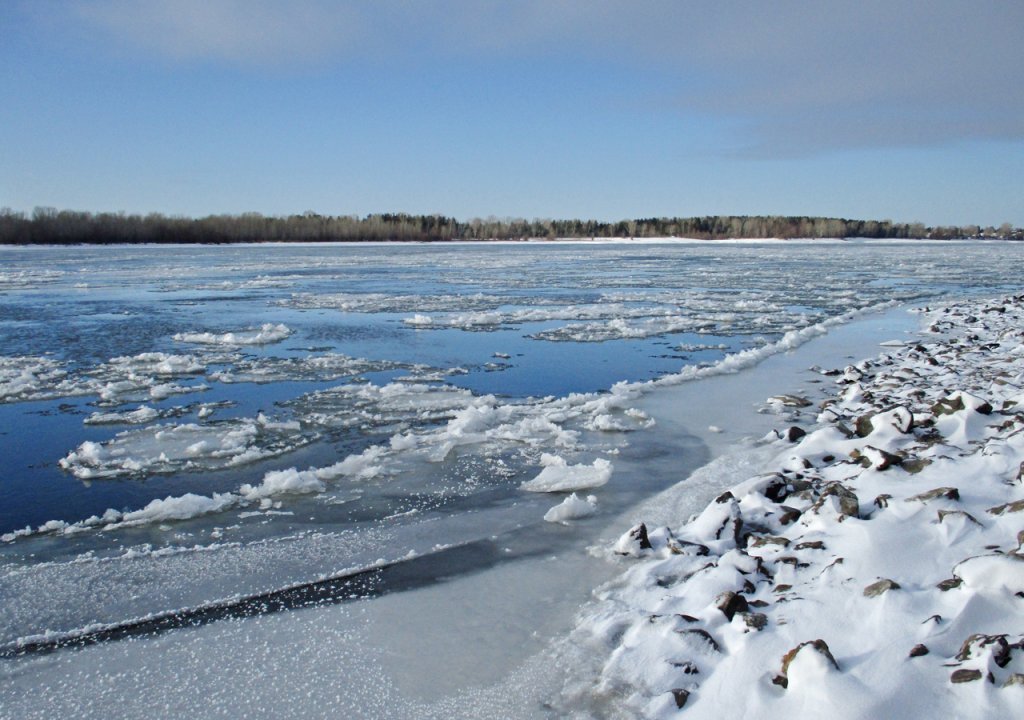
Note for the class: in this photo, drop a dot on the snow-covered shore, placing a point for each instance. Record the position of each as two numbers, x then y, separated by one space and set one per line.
873 569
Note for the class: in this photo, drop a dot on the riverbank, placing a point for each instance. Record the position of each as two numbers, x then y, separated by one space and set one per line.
870 567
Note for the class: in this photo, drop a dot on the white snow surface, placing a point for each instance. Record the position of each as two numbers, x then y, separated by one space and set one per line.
873 568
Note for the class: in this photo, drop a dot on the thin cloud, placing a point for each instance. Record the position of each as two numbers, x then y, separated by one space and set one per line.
790 77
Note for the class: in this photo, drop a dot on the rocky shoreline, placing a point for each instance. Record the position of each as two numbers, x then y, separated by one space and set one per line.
875 569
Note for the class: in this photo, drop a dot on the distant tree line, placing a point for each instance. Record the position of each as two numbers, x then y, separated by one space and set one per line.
62 227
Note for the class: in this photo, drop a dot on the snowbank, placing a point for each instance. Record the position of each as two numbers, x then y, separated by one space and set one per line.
874 568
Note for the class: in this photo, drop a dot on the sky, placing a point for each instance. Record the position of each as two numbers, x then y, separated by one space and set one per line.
909 110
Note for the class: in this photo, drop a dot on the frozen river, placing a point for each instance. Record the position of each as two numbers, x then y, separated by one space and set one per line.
195 438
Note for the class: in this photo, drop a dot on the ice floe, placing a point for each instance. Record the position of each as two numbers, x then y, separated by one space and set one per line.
147 376
572 508
139 416
560 476
394 302
35 378
184 447
266 334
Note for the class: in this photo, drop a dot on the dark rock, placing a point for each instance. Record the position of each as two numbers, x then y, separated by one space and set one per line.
703 635
819 646
687 667
762 569
687 618
757 541
731 527
975 645
810 545
680 696
731 603
777 489
789 515
918 651
757 603
685 547
877 458
915 465
864 426
962 676
882 501
783 587
943 514
949 493
639 533
725 497
882 586
902 419
848 503
791 401
845 431
949 584
794 433
755 621
955 403
1014 679
1010 507
851 375
948 406
634 541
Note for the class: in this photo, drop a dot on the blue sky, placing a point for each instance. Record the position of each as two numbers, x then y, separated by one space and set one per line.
912 111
